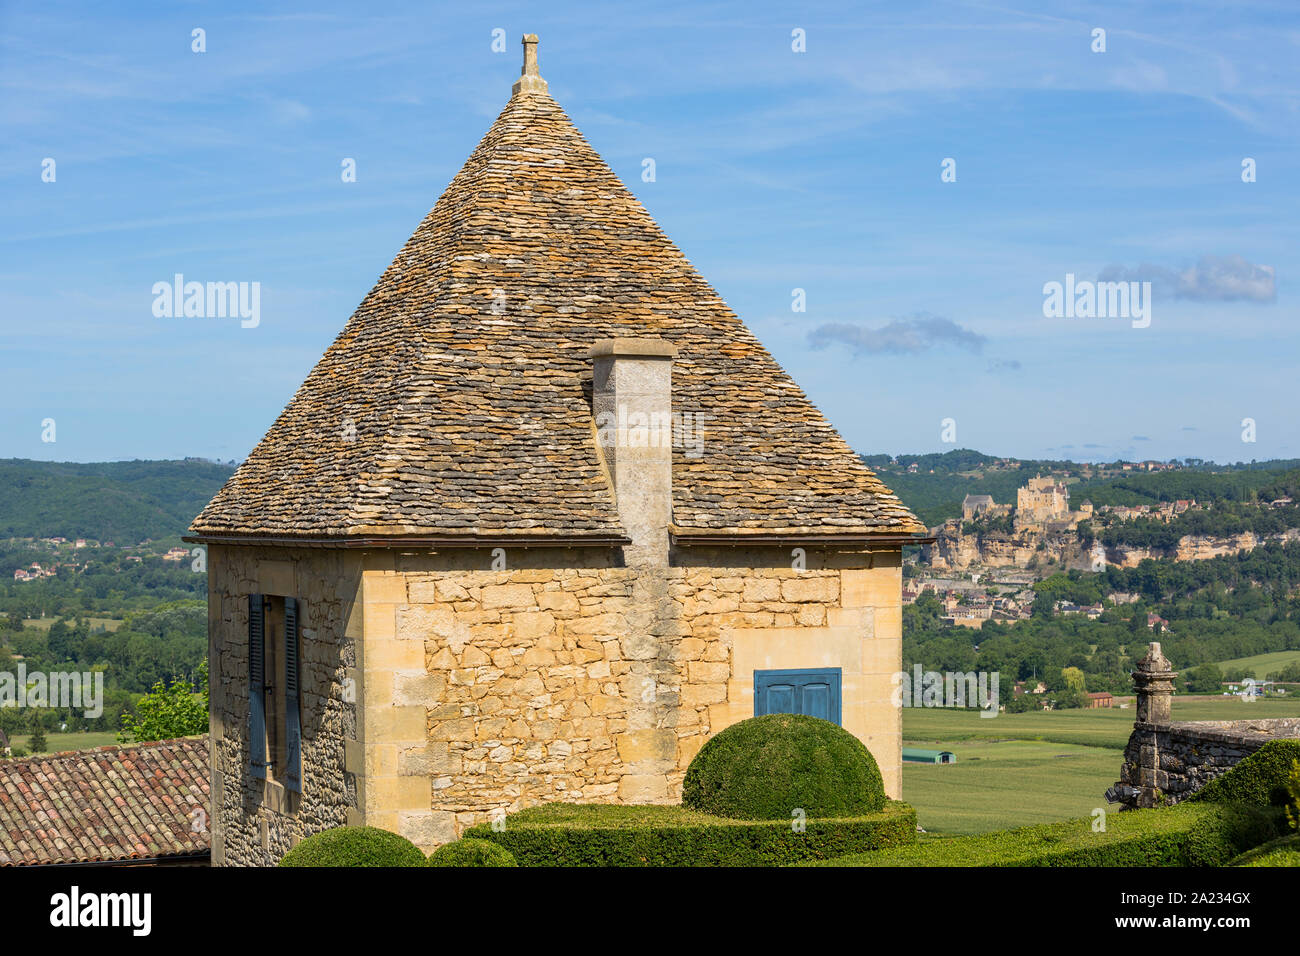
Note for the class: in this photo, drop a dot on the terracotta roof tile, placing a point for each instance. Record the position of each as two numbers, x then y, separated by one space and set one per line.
108 804
456 399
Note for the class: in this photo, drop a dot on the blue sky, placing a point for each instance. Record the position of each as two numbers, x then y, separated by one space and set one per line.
775 170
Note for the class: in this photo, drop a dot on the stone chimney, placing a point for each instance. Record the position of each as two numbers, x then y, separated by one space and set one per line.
530 81
632 405
1154 682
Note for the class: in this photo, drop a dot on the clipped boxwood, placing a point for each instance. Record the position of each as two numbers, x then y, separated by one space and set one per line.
1260 780
354 846
769 767
1284 851
1188 834
566 834
472 852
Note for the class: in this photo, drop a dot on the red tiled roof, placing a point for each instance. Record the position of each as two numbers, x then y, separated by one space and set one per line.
106 804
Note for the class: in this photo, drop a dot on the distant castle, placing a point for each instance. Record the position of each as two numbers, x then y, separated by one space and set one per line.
1042 508
1045 501
1040 503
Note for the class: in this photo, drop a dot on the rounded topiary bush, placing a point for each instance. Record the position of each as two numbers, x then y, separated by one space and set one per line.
472 852
354 846
765 768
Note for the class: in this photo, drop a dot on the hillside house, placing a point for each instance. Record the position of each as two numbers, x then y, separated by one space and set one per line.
544 517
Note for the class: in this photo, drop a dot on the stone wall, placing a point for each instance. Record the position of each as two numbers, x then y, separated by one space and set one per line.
488 691
437 692
1166 763
254 821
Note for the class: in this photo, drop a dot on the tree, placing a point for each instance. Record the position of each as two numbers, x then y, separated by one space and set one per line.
1022 703
1069 699
1206 679
37 743
178 710
1074 679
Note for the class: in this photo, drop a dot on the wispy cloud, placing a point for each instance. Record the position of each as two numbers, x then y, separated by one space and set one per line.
1212 279
909 335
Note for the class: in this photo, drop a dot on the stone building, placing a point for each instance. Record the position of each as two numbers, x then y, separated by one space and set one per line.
544 517
1040 501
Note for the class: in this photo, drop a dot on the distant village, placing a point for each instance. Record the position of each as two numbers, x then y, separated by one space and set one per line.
1005 596
982 566
72 553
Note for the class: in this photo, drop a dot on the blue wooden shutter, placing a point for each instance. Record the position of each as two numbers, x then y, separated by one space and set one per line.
813 691
292 724
256 687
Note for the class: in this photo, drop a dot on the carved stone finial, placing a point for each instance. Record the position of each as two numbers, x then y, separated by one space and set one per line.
530 81
1154 683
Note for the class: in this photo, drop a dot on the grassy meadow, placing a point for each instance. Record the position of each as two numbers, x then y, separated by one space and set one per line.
1261 665
56 742
1019 769
45 623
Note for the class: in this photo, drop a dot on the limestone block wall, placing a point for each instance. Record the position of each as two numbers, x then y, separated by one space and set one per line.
485 691
253 821
1167 763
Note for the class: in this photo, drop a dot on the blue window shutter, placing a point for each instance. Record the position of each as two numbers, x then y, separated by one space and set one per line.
812 691
256 687
292 723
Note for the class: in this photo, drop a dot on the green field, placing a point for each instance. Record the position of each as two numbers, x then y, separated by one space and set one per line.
57 742
45 623
1093 728
1261 665
1018 769
999 785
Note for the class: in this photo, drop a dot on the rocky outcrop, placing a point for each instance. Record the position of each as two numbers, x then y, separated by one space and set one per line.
954 550
1198 547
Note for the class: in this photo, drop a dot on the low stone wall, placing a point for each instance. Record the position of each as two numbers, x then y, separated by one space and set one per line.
1166 763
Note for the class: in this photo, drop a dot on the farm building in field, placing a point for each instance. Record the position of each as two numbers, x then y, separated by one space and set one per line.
920 755
544 517
1100 699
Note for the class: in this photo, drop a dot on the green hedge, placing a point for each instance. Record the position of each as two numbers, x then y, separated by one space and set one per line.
354 846
1259 781
1284 851
763 768
566 834
471 852
1184 835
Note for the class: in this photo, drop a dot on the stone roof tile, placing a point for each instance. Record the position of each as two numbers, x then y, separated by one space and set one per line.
456 401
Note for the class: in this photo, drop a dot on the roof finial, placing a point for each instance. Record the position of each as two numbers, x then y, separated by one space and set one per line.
530 81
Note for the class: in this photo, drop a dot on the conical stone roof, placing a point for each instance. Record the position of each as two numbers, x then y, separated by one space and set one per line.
456 401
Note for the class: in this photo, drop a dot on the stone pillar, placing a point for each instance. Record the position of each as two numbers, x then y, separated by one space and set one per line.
632 404
1154 682
530 80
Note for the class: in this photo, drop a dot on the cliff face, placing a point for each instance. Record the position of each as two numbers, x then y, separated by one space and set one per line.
1198 547
955 551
